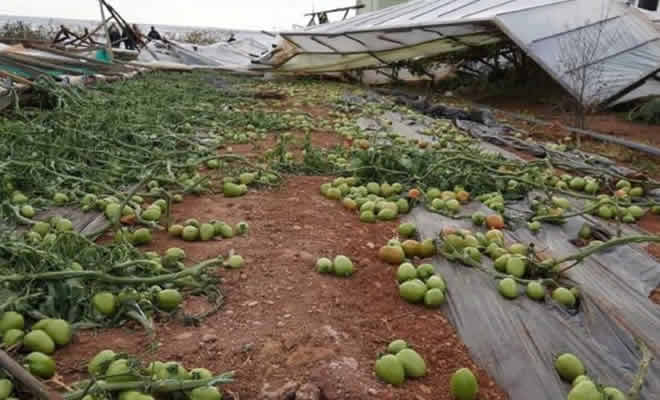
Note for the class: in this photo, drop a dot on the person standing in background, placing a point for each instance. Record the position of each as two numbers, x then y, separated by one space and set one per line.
154 35
128 38
115 36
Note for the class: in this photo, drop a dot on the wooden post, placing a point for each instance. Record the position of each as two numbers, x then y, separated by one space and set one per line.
108 43
28 381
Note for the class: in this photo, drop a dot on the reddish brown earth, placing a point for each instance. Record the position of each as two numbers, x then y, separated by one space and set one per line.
655 296
296 144
282 321
604 122
650 223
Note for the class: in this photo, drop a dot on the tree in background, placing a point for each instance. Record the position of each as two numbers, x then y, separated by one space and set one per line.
580 53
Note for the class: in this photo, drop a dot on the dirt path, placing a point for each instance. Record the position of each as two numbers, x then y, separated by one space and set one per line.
283 322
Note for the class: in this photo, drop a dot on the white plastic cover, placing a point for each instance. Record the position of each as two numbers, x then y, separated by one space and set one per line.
650 88
236 55
622 44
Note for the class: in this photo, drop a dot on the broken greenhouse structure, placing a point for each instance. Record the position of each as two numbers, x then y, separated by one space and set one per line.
622 58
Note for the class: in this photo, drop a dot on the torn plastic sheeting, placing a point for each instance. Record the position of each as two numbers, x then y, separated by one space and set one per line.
620 279
496 134
409 129
650 88
540 28
500 135
337 62
236 55
516 341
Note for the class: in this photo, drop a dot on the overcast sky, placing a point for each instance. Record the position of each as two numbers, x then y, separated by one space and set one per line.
236 14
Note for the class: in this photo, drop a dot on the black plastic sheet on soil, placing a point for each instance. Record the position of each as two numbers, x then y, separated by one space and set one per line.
516 341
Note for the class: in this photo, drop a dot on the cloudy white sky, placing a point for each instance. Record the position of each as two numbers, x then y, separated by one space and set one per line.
249 14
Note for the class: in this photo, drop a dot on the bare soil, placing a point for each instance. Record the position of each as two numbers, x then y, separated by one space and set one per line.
655 296
605 122
283 323
317 139
650 223
545 108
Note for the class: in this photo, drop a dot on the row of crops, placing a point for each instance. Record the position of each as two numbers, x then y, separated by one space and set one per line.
123 153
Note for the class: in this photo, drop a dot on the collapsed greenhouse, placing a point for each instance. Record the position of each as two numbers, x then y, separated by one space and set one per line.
620 47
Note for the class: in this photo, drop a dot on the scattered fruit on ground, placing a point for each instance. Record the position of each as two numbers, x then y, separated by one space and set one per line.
564 297
464 385
508 288
342 266
434 298
12 337
39 341
436 282
60 331
534 226
569 367
6 387
11 320
414 365
205 393
427 248
411 248
389 369
324 265
396 346
535 290
495 222
585 390
425 271
407 230
169 299
142 236
190 233
235 261
412 291
100 362
478 218
516 266
105 303
40 364
119 370
406 272
392 254
206 232
613 394
200 373
176 230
